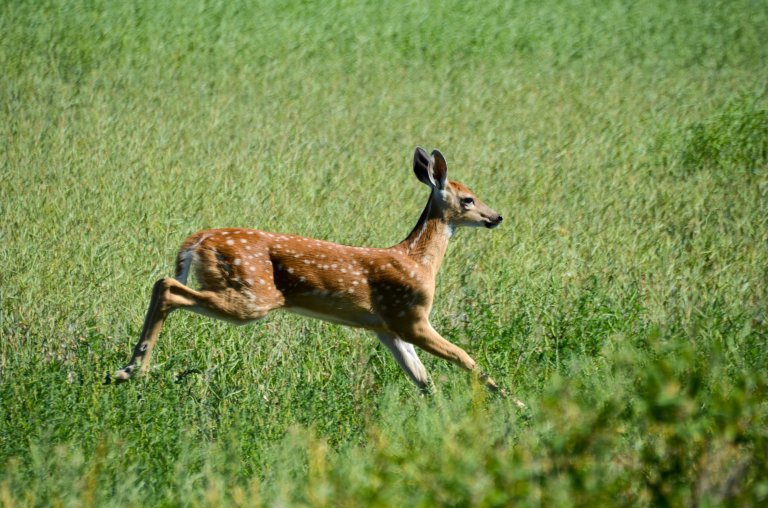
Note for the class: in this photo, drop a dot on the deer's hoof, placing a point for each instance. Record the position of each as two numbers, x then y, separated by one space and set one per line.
122 375
519 403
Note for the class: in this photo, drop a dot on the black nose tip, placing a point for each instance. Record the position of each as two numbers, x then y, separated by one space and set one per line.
500 219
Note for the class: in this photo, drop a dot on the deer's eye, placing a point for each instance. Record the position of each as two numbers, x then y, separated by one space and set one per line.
467 201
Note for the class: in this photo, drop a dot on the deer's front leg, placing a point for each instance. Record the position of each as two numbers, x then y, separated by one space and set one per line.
421 334
406 357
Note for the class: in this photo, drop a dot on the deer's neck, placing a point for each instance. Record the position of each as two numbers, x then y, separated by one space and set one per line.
428 240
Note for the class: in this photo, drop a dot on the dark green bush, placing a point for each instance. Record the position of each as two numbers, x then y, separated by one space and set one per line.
734 139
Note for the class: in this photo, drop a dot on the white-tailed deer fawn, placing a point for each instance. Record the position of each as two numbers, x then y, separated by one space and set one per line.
244 274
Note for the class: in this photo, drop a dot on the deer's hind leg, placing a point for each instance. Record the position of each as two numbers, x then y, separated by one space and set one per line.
169 294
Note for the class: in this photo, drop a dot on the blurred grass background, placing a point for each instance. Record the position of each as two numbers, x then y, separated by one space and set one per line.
624 299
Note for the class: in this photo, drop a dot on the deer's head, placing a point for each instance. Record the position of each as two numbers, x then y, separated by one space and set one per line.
455 203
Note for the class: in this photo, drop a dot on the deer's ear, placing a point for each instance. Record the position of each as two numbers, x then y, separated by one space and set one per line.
422 167
439 169
432 171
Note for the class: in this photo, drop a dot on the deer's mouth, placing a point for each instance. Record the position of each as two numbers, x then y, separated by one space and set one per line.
492 223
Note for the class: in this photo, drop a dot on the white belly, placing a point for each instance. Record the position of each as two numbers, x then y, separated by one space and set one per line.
359 319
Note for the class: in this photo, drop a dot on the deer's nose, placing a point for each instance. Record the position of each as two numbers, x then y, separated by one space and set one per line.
493 222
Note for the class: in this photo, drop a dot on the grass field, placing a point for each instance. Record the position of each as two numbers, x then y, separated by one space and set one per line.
624 299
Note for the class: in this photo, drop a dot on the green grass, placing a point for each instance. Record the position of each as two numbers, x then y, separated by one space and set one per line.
624 299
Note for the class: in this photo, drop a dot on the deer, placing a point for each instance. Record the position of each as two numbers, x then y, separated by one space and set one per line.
244 274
